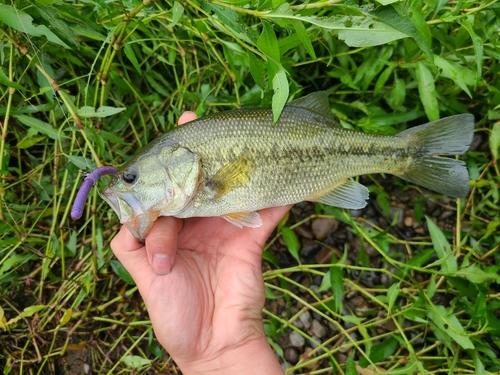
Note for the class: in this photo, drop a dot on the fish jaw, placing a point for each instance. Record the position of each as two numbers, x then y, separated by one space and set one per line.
130 212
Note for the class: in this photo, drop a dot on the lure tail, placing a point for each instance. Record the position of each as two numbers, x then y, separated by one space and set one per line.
448 136
87 184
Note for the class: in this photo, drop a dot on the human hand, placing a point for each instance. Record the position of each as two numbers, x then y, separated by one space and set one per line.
201 281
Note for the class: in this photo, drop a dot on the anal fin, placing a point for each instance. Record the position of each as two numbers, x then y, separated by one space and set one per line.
350 194
244 219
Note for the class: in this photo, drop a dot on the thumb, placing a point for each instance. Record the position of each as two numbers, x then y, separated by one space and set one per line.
130 252
161 244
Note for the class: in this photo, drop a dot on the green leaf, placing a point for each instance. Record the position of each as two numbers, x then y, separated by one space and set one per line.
477 276
449 324
462 76
256 69
21 21
494 140
304 37
366 32
121 271
337 284
129 52
350 365
431 288
478 45
391 18
268 43
382 79
29 141
398 94
177 12
442 247
427 91
4 80
291 242
101 112
40 126
392 295
281 91
136 362
380 351
82 162
478 364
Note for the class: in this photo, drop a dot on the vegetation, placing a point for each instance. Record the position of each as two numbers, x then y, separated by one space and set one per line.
84 84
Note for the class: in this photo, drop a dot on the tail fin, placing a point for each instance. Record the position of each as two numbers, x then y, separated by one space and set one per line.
449 136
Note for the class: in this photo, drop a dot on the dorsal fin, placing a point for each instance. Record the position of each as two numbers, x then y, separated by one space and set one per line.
316 102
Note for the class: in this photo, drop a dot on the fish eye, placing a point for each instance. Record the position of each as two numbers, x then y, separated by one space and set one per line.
129 176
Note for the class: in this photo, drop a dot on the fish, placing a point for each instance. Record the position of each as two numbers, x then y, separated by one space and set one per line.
234 163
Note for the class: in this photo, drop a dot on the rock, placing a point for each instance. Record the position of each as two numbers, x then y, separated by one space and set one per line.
297 323
285 366
305 319
322 227
400 213
324 256
409 221
369 278
356 213
314 342
304 231
291 355
446 214
296 339
318 329
309 248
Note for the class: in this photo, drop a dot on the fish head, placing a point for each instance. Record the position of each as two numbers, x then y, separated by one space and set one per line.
161 182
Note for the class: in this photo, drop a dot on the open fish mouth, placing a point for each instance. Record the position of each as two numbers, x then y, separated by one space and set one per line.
130 212
125 205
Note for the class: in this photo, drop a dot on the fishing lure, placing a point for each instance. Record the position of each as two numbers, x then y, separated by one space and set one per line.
87 184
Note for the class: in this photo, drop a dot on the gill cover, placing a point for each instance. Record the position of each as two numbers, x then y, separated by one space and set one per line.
162 181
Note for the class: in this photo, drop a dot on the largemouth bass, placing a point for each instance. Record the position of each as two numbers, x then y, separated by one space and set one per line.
232 164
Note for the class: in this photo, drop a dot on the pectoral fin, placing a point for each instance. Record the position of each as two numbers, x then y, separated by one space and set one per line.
231 176
350 194
244 219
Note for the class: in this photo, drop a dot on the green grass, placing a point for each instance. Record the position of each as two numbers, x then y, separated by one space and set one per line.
87 84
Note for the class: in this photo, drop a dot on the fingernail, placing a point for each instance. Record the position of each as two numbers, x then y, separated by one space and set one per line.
162 264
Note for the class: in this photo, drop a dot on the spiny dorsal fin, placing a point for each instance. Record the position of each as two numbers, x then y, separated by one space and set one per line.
244 219
350 194
231 176
316 102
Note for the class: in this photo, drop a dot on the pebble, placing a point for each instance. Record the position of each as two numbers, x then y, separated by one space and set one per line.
291 355
322 227
356 213
309 248
400 212
370 278
446 214
346 346
315 341
285 366
318 329
306 319
409 221
296 339
324 256
304 231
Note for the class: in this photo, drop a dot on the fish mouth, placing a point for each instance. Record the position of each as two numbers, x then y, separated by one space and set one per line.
130 212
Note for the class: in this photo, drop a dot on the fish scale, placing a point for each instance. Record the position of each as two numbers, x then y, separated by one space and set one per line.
234 163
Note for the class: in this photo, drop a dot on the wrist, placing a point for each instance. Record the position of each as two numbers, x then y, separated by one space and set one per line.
252 357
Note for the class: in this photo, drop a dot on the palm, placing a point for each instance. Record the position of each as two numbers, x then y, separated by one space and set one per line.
214 289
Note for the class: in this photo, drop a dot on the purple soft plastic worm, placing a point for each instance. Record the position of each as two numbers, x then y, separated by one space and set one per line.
87 184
